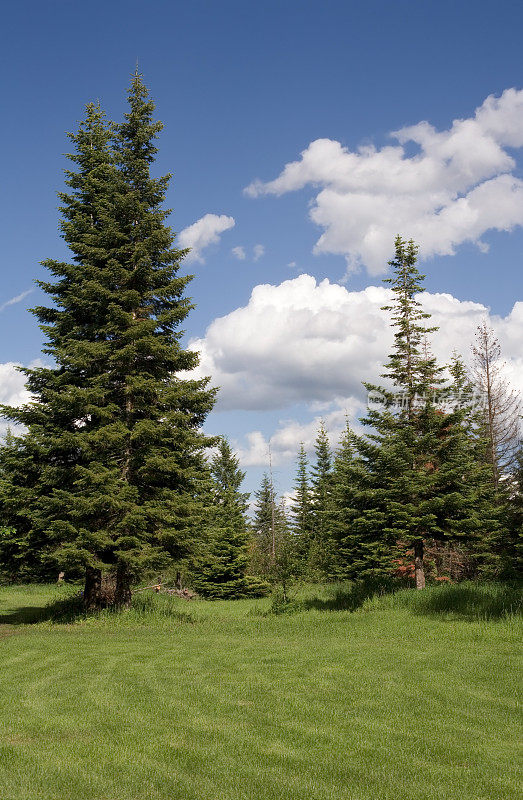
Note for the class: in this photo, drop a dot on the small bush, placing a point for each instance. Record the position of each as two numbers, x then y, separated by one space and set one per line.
282 603
256 587
159 606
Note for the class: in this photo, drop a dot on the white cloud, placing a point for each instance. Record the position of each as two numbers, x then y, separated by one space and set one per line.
12 385
12 389
457 186
290 433
308 342
258 251
239 253
17 299
202 233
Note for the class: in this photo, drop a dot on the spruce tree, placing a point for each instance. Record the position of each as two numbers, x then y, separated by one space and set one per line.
411 366
421 476
345 493
302 522
227 476
117 423
268 521
22 554
320 552
218 571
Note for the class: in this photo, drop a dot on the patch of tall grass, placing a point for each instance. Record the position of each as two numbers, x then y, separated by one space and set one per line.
467 601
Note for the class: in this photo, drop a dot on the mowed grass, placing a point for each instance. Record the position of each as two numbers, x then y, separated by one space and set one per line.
411 696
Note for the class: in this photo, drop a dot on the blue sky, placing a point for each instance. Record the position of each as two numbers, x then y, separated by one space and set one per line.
243 89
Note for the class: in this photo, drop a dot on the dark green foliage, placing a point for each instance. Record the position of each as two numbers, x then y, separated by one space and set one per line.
511 546
320 554
302 514
218 571
228 477
351 553
411 367
114 427
23 552
269 525
416 475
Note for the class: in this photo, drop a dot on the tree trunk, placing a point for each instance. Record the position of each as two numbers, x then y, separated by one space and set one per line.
92 588
419 570
122 595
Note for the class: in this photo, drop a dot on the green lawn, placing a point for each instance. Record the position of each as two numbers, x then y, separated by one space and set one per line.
403 699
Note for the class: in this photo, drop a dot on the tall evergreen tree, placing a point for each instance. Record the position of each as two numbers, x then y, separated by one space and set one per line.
227 476
421 471
268 521
411 366
302 522
118 427
348 561
320 552
219 568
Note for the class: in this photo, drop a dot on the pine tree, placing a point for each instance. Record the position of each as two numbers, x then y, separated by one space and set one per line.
268 521
347 562
421 478
119 429
219 568
22 555
227 475
320 551
411 366
302 523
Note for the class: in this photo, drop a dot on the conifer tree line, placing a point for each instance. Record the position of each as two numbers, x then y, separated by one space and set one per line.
434 484
113 476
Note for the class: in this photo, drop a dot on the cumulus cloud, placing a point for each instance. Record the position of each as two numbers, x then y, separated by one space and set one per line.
459 184
308 342
290 433
202 233
239 253
12 385
12 389
258 251
17 299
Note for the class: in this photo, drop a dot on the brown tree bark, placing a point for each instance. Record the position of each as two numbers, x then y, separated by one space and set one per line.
122 595
419 570
92 588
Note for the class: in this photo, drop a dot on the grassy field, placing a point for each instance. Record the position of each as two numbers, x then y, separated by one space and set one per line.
411 696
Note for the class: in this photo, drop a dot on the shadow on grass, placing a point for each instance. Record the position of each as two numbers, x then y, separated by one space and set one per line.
65 610
468 601
350 596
